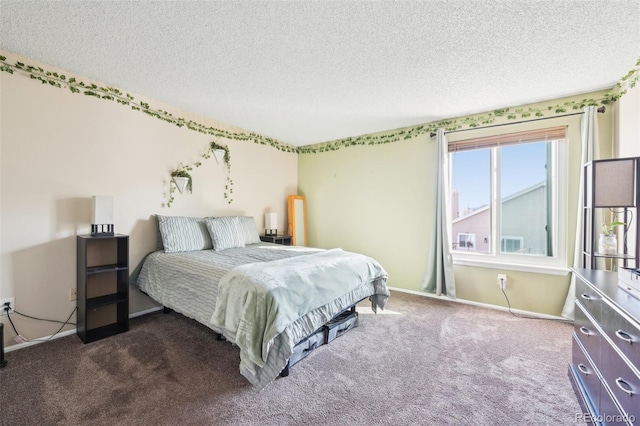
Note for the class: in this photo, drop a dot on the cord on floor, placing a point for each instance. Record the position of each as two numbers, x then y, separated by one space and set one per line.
23 339
524 316
43 319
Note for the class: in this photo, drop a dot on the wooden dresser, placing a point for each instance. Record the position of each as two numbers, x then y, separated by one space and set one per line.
605 364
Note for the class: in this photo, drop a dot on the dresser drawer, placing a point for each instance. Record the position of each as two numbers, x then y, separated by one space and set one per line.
590 300
609 412
587 333
624 334
590 381
623 383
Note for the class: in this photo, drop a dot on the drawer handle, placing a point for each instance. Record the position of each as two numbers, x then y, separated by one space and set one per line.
583 369
624 336
588 297
585 330
626 388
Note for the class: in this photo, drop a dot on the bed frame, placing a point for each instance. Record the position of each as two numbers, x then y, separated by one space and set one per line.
285 371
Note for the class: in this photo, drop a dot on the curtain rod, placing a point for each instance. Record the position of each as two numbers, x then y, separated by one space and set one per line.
601 110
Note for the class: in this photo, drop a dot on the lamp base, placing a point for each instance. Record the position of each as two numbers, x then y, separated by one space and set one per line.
271 232
102 230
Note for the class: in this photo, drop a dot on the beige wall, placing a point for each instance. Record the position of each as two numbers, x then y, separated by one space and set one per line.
627 124
379 200
57 149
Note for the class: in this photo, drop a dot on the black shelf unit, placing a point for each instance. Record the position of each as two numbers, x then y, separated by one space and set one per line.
102 286
284 240
606 177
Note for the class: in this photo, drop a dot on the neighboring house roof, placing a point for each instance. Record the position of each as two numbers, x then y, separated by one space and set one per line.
524 191
473 213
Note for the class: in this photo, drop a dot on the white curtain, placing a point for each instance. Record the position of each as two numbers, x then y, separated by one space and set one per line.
439 276
590 151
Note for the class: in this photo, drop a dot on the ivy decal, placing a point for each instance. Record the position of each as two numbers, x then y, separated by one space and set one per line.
627 82
112 94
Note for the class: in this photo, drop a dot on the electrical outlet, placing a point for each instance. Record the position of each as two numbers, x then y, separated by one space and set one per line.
502 281
12 305
73 294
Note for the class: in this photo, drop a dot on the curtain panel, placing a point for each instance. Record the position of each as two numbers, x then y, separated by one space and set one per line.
439 277
590 151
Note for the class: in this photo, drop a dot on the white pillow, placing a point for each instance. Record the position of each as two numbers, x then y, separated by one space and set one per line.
249 230
181 233
225 232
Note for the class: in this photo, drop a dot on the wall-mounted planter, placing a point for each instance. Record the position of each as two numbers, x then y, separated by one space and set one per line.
181 183
219 155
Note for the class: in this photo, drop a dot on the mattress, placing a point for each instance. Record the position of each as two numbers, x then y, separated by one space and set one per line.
188 283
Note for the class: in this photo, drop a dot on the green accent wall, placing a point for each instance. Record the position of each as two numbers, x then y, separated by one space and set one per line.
378 200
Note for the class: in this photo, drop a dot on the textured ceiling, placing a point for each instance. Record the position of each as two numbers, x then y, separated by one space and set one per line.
309 71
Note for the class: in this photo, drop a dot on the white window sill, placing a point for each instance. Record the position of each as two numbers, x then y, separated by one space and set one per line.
509 265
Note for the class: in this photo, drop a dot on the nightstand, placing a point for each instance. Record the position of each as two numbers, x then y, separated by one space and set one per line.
102 286
285 240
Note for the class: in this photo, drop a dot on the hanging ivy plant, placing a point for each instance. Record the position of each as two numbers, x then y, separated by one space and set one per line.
228 187
183 171
227 157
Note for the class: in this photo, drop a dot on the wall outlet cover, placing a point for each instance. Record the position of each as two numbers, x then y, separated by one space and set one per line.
11 300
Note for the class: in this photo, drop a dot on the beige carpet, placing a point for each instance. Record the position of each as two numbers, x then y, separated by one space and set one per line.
423 361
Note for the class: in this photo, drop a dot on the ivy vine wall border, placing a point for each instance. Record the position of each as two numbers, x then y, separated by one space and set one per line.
76 85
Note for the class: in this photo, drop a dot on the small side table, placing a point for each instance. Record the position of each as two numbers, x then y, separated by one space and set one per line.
285 240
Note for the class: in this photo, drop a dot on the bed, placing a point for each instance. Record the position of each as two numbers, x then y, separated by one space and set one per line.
265 298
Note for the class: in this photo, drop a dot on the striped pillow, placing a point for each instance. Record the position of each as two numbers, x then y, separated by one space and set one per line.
248 230
181 233
225 232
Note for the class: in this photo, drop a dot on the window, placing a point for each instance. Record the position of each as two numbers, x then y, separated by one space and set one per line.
466 241
505 197
511 244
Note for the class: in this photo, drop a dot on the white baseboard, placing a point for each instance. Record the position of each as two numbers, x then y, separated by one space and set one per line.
145 312
40 340
69 332
483 305
402 290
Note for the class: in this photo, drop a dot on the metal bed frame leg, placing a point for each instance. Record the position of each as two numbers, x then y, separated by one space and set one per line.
285 370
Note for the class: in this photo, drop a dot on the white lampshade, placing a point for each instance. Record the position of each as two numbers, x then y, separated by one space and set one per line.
102 210
271 220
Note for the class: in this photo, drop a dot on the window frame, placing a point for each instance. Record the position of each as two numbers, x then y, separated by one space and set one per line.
553 265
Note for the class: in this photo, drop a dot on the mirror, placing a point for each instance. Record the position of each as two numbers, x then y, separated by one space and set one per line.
298 220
